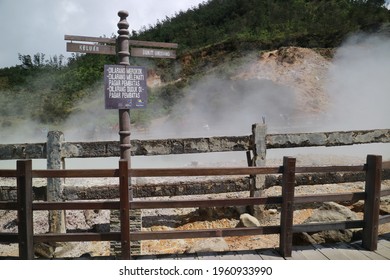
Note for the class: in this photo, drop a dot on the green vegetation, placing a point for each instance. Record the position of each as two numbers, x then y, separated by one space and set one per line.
48 90
310 23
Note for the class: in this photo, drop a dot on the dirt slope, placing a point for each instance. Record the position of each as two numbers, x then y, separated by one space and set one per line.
303 70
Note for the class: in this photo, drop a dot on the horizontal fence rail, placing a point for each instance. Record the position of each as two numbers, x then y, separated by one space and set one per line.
196 145
25 205
318 139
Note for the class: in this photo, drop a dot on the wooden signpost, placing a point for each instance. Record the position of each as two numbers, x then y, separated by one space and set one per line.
90 48
125 89
128 90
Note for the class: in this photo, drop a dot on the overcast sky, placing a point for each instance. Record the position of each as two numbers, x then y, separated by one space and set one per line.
32 26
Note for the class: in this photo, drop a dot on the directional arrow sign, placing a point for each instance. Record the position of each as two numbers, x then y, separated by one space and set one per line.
155 53
109 47
90 48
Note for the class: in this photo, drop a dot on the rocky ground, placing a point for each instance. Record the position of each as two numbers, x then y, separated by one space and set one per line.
230 217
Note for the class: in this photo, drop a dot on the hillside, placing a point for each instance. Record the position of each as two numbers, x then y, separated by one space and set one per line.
290 88
250 59
260 23
304 70
282 86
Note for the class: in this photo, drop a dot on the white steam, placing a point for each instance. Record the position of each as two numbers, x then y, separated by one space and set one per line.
24 131
221 106
359 86
91 121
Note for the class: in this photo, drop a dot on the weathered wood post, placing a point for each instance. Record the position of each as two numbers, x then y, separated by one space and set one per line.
55 140
259 133
25 213
287 210
372 201
124 208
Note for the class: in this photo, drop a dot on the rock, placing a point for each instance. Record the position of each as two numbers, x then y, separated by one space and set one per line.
273 211
247 220
303 238
328 212
101 227
212 213
385 206
358 206
217 244
206 212
11 224
331 212
78 249
329 236
384 209
44 250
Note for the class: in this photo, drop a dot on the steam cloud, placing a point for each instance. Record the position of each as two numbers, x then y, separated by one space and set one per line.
220 106
359 87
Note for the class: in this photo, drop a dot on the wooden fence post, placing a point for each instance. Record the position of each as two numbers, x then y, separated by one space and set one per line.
25 213
54 147
372 201
259 133
287 211
124 208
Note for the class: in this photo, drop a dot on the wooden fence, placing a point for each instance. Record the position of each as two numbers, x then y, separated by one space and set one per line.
25 205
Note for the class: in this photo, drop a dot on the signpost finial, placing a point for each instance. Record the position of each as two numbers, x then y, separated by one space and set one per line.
123 14
123 38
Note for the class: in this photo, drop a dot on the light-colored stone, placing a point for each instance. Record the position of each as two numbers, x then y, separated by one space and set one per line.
249 221
217 244
331 212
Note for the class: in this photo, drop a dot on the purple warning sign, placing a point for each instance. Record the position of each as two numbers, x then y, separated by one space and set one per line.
125 87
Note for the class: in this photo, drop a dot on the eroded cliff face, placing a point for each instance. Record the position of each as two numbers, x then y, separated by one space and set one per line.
303 70
284 87
326 89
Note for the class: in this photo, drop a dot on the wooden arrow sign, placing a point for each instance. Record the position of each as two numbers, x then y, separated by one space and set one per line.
154 53
89 39
90 48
